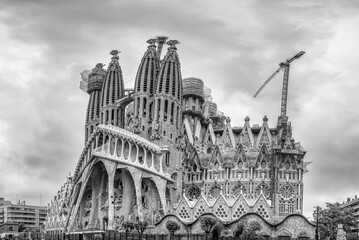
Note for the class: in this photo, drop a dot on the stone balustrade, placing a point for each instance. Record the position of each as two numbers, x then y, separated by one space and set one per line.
122 146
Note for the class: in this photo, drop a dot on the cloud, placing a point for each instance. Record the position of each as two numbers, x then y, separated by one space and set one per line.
234 47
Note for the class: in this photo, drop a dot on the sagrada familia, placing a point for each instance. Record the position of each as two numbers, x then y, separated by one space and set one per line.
163 152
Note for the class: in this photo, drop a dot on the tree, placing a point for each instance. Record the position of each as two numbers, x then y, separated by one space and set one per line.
128 226
207 224
172 227
332 215
21 227
140 226
249 231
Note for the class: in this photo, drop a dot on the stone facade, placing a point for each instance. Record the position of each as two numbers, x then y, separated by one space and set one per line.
164 152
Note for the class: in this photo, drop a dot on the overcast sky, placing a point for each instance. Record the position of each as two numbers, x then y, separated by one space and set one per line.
234 46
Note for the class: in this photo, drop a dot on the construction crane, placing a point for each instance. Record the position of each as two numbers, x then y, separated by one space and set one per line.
282 66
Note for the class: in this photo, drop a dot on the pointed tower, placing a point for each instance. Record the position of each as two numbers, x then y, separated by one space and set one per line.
112 90
145 87
96 78
168 97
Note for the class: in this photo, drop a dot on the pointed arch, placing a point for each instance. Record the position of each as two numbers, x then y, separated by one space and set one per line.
262 207
228 137
240 156
246 137
209 136
187 127
216 156
240 207
264 136
262 156
183 210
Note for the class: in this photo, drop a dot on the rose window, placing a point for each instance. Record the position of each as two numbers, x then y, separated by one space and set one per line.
193 193
215 191
265 189
237 190
287 192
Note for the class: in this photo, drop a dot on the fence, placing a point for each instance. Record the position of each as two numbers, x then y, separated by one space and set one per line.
112 235
31 235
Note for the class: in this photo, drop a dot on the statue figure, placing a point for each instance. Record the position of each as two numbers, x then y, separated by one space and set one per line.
156 130
341 234
136 124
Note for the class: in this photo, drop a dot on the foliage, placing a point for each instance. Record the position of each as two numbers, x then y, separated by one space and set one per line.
207 224
128 226
172 227
329 218
249 231
21 227
353 236
140 226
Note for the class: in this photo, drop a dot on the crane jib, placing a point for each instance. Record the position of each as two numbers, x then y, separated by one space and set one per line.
284 65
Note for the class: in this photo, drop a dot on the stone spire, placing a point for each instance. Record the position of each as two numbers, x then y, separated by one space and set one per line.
145 87
168 96
96 78
112 90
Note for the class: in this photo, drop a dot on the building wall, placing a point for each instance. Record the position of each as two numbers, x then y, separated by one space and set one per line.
9 228
30 216
352 203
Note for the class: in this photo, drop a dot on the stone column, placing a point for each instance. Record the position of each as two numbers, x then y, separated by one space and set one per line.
161 187
111 171
137 179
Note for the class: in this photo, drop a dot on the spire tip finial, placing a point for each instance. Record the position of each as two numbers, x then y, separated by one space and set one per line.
172 43
151 41
114 52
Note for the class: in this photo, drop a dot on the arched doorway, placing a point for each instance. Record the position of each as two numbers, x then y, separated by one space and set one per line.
215 234
238 234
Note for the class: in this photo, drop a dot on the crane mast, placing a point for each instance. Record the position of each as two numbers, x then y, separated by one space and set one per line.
282 66
283 108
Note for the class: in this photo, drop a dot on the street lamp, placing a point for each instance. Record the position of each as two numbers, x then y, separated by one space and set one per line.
316 227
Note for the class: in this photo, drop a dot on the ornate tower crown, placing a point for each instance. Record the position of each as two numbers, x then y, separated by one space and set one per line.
112 90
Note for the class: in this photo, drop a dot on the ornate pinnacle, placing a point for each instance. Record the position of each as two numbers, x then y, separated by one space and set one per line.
151 41
172 43
114 52
161 39
100 65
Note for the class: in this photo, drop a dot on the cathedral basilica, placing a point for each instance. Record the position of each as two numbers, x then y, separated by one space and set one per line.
162 151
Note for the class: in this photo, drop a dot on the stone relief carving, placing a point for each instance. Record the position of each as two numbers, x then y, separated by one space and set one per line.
118 221
156 131
88 204
136 124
